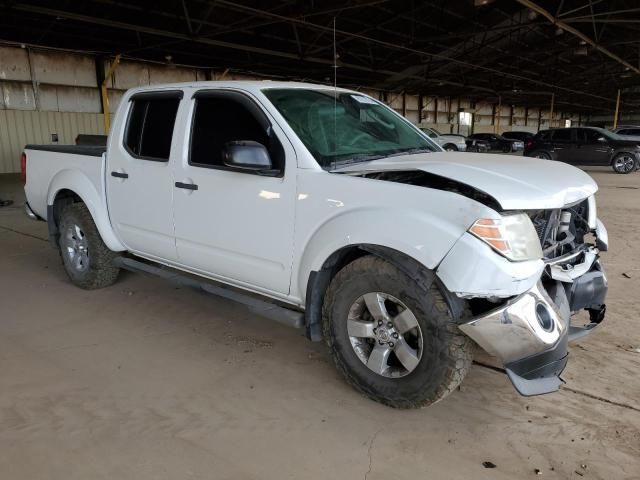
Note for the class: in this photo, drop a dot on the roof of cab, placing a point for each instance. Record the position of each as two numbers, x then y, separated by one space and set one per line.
248 85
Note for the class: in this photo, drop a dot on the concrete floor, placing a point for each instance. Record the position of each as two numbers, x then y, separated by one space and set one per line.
146 381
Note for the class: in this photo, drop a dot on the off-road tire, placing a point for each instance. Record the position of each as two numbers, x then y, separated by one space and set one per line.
101 271
447 352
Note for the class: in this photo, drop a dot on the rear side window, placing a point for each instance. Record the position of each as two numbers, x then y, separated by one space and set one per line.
150 126
562 135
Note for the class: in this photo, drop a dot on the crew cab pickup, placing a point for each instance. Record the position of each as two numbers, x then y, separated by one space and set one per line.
323 208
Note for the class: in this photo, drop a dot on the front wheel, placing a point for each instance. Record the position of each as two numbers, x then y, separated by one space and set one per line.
393 339
86 259
624 163
450 148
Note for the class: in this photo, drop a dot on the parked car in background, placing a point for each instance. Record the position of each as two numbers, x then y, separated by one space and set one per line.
523 136
585 146
629 132
498 142
449 142
477 145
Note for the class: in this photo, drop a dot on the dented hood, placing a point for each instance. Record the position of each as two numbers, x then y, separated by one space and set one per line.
517 183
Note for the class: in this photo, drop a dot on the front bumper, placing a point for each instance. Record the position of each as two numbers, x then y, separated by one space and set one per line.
530 333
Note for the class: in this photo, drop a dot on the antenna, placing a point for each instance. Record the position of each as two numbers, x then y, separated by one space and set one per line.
335 95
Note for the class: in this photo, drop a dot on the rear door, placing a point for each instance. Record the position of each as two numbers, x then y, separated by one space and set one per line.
232 224
139 177
592 148
562 140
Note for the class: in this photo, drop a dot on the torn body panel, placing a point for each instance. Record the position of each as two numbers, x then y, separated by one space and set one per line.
472 270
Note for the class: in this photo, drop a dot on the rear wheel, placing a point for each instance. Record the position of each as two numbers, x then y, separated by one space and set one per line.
449 147
624 163
393 339
86 259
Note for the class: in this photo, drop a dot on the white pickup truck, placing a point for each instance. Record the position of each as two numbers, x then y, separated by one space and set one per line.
324 209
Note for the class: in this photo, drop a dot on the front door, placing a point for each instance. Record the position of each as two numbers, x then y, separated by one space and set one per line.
140 178
592 148
562 144
230 224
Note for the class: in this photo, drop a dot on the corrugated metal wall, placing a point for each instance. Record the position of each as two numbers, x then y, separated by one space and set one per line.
19 127
43 92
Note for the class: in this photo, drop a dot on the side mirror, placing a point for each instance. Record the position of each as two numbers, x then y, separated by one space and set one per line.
246 155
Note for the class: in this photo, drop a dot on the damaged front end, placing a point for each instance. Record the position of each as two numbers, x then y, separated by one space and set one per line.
529 332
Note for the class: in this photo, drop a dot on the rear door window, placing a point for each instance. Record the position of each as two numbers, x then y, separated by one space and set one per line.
150 125
562 135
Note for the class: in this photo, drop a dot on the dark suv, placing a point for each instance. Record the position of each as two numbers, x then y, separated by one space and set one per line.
585 146
516 135
498 142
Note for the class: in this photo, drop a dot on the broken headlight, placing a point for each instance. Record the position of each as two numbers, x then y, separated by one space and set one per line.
512 236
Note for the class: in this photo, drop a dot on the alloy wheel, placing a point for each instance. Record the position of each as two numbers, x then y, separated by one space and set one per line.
385 335
624 163
76 248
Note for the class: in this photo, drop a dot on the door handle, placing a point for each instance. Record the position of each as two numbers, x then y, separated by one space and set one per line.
119 174
186 186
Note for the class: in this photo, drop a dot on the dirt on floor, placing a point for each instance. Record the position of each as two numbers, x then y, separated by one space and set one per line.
144 380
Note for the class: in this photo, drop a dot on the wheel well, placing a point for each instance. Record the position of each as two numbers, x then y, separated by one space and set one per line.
319 281
63 198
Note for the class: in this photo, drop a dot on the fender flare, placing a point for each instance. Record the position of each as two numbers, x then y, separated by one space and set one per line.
407 250
395 229
81 185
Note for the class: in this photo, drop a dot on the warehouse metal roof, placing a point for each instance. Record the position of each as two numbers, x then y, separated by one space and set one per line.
582 51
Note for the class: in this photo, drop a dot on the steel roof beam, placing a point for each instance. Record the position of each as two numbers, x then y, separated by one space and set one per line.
568 28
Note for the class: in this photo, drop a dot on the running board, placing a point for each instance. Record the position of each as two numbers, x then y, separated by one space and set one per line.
286 316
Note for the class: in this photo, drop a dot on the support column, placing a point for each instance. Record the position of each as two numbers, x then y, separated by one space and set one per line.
615 118
404 104
105 96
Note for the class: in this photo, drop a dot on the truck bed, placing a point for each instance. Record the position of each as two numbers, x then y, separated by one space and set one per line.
89 150
50 167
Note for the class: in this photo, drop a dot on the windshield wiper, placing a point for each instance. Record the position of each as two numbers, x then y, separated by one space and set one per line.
365 157
410 151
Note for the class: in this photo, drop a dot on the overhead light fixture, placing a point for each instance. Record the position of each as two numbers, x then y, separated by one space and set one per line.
559 31
481 3
531 15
